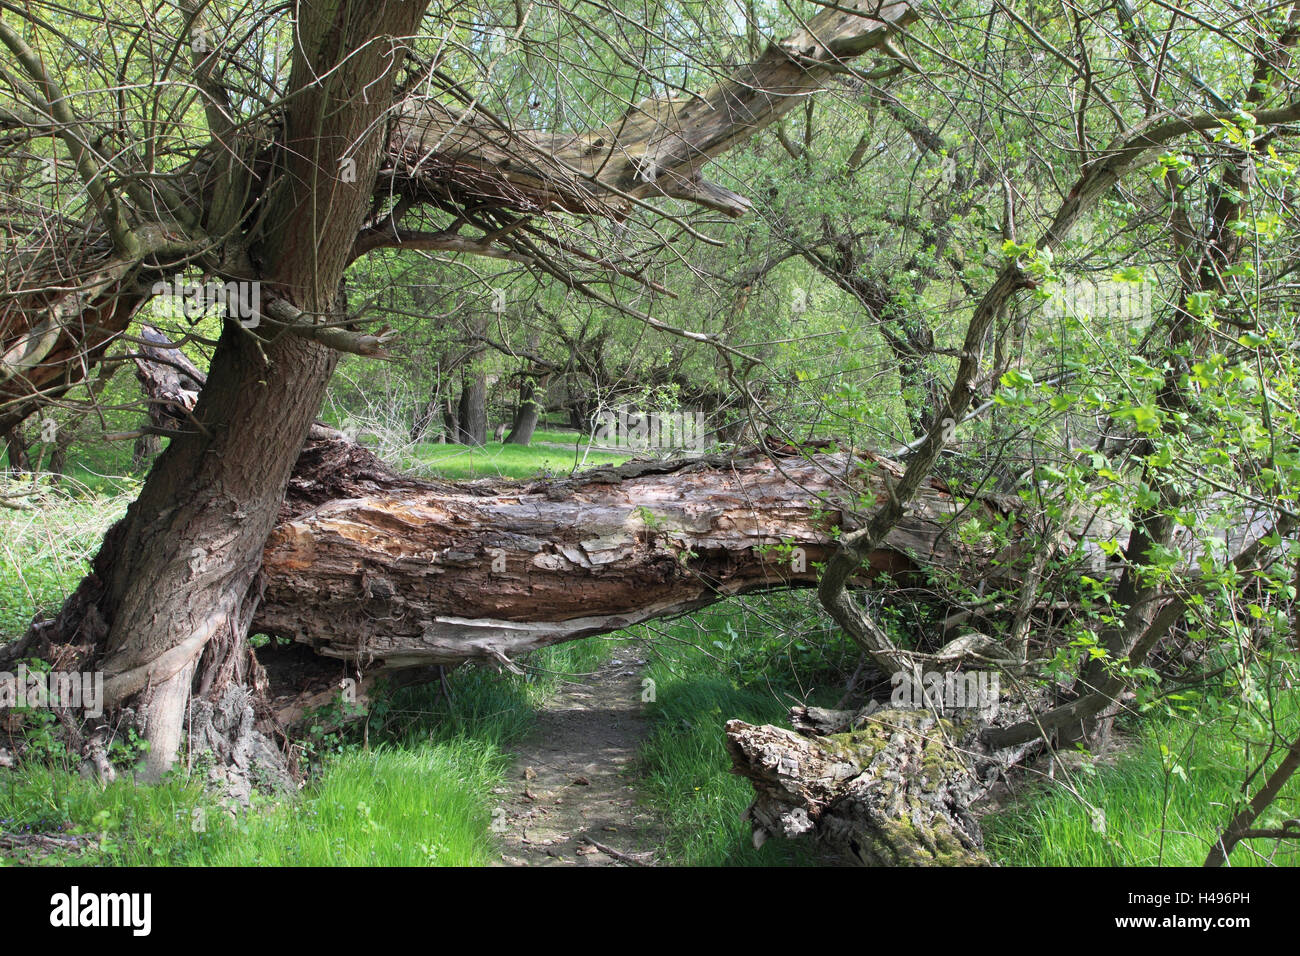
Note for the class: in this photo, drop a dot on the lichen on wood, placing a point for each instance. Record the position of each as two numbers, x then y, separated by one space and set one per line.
894 792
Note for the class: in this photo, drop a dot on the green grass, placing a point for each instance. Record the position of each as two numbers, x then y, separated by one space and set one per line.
47 543
509 461
686 773
386 806
46 551
421 795
562 436
1163 801
420 806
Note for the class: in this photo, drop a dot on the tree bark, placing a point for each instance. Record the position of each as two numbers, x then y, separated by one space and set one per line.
530 408
16 450
146 448
471 410
895 791
471 414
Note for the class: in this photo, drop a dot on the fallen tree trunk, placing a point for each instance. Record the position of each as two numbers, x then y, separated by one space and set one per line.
378 572
390 571
883 786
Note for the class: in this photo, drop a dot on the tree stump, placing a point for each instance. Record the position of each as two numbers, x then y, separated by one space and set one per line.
894 792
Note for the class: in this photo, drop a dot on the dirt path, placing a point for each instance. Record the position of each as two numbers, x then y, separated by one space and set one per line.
572 785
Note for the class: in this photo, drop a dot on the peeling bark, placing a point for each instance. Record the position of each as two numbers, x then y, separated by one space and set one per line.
389 571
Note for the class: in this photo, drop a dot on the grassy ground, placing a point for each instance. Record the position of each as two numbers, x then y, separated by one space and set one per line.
711 668
561 436
509 461
44 552
420 794
1161 803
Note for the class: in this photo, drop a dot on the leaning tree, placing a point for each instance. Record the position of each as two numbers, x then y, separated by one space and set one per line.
270 146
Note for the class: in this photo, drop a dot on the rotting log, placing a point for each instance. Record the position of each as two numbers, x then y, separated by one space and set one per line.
894 791
390 571
885 785
893 783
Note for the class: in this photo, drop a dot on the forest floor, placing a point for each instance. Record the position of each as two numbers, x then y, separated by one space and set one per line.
570 798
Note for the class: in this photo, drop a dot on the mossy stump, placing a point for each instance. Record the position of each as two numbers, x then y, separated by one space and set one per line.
894 792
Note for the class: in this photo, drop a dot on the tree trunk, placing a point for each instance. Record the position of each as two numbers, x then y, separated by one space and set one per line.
525 423
144 451
16 450
172 589
471 414
174 577
471 410
492 569
532 563
450 420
